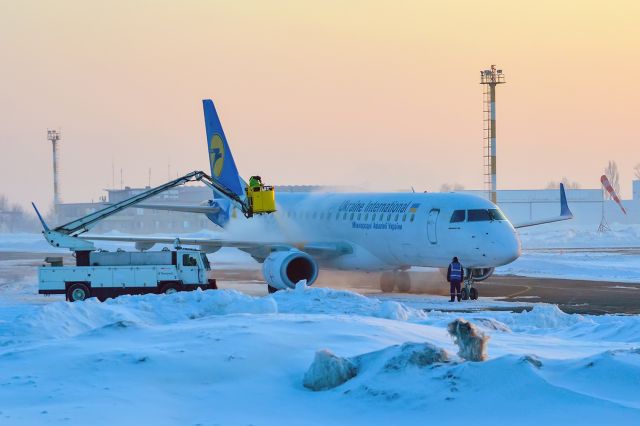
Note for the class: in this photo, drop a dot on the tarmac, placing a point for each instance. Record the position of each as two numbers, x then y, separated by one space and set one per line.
572 296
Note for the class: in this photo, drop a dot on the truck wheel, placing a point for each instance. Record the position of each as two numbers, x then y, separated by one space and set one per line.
78 292
169 288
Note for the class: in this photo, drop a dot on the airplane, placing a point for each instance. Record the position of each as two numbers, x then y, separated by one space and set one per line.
383 232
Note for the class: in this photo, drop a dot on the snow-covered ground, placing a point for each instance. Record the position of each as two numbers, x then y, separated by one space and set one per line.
222 357
592 266
578 252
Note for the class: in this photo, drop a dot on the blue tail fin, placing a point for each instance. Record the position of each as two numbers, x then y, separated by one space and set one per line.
223 167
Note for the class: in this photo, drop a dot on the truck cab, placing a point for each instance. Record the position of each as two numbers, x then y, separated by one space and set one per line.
193 266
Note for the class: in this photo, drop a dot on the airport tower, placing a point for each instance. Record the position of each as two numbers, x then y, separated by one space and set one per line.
54 137
490 78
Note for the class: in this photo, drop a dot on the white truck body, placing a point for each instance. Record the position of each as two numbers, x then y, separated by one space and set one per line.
109 274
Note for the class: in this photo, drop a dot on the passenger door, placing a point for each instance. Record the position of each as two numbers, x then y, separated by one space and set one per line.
432 222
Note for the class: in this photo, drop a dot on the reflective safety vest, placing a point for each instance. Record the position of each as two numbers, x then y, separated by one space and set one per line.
456 272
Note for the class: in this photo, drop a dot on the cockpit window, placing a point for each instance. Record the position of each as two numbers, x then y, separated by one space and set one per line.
458 216
496 214
479 215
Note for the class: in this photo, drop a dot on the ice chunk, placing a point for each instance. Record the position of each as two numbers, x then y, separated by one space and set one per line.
328 371
301 285
417 354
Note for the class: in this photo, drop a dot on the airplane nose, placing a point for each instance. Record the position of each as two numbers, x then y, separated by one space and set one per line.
511 249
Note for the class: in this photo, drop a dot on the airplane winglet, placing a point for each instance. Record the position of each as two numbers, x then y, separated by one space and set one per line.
565 213
564 206
44 224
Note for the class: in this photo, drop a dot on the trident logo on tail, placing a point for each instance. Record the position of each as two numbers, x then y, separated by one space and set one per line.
216 154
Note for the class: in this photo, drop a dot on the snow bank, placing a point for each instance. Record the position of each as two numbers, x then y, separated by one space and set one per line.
311 300
63 319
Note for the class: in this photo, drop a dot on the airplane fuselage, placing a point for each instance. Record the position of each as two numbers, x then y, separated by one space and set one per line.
398 230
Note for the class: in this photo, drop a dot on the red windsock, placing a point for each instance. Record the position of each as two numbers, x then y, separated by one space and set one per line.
611 191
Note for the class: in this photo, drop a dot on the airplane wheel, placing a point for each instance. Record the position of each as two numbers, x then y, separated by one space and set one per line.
387 282
403 282
464 295
78 292
271 290
473 294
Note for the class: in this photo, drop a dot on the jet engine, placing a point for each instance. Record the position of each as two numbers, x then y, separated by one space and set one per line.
481 274
284 269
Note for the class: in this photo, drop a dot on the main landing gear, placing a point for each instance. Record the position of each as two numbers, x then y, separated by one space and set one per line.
395 280
468 291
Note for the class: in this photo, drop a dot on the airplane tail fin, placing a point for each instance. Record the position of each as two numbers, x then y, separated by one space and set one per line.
223 166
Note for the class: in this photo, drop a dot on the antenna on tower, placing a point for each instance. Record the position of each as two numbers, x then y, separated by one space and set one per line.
490 78
54 136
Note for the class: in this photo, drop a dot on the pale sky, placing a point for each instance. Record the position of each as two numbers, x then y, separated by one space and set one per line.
382 94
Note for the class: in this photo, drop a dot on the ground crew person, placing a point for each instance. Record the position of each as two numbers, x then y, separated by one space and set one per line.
255 182
455 276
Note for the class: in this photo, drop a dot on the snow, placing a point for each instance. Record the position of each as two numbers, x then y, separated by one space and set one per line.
573 235
591 266
223 357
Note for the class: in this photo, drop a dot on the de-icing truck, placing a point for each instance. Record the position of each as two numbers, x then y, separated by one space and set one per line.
104 274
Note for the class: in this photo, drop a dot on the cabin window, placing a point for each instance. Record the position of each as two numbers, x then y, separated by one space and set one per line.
404 218
413 216
389 217
359 216
458 216
381 217
352 215
344 217
397 216
366 216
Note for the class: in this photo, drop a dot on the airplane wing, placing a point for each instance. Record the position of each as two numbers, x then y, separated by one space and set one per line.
260 249
565 213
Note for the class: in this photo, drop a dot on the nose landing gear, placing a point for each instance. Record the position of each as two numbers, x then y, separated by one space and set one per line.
469 292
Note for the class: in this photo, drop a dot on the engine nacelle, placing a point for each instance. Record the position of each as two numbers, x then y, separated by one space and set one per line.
481 274
284 269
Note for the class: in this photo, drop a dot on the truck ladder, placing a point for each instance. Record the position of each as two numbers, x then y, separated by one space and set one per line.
66 235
